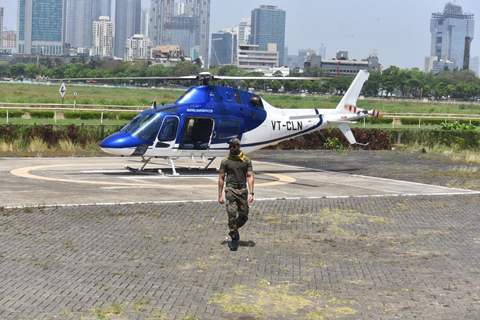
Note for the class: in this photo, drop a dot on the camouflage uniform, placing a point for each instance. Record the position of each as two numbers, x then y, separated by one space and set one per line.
236 192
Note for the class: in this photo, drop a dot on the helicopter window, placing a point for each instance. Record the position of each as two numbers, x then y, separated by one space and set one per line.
256 101
168 132
137 122
195 95
149 128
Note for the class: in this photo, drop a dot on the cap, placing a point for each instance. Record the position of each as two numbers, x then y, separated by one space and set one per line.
234 141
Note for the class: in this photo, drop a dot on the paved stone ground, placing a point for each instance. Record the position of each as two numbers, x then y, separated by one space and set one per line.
429 168
372 258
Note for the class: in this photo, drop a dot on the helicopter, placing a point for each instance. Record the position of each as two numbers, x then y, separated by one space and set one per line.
206 117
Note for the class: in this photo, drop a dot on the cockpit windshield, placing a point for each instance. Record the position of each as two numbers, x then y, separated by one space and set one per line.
144 126
197 95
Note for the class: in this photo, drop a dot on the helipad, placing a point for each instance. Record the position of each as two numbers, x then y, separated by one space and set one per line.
80 181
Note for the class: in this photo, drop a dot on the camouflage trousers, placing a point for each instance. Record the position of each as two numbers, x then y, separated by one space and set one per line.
237 207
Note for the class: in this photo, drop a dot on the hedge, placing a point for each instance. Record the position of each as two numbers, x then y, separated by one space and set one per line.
377 139
51 135
11 113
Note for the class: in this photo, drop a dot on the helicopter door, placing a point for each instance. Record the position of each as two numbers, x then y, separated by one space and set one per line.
197 134
167 133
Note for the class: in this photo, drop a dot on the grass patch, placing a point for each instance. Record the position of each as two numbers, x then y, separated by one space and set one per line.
266 302
333 221
109 312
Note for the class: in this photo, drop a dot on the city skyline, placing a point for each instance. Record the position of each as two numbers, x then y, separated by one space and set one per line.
397 30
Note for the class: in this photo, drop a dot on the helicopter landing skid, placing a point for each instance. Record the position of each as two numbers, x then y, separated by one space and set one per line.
143 170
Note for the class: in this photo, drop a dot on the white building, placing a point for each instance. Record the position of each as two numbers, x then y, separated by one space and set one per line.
102 37
138 47
9 40
250 57
244 31
435 65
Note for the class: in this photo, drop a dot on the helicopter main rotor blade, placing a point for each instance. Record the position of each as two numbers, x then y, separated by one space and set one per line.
270 78
184 78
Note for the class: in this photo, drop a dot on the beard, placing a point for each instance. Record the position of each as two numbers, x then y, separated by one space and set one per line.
235 152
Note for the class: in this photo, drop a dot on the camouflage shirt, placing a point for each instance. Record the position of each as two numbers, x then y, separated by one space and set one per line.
236 172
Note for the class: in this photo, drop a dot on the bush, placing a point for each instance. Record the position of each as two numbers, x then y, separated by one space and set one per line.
83 115
11 113
109 115
127 115
90 115
42 114
71 115
430 138
378 120
457 126
52 135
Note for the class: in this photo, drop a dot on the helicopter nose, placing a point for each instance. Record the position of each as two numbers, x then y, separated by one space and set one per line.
121 144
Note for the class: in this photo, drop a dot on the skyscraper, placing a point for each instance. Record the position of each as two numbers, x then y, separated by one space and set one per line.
41 27
102 34
452 33
182 22
145 21
244 31
79 23
1 26
101 8
224 48
268 26
128 20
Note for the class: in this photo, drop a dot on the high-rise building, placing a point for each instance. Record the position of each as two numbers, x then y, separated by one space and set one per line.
41 27
79 23
145 21
138 47
1 20
475 65
182 22
224 48
244 31
128 20
102 34
101 8
268 26
452 33
1 26
80 17
323 51
9 40
251 57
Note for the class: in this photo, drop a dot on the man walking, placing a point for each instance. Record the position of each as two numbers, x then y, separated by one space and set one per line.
236 172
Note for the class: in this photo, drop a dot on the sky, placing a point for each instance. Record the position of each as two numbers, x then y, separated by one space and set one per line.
398 30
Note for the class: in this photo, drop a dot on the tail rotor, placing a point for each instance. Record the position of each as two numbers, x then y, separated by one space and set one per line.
362 112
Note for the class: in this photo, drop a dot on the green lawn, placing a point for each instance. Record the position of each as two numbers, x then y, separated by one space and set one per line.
28 93
62 122
286 101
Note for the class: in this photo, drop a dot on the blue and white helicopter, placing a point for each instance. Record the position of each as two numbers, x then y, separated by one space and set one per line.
202 121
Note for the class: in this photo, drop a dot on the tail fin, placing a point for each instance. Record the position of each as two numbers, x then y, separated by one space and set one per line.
350 98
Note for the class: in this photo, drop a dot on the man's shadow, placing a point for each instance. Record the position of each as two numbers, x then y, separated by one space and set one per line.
241 243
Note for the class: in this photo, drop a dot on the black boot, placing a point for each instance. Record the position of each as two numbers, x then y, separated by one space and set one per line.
235 239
